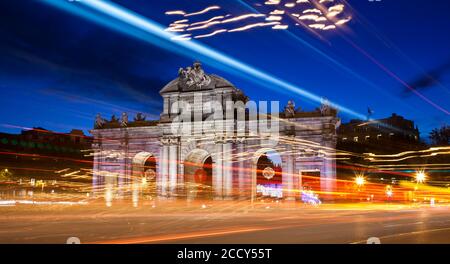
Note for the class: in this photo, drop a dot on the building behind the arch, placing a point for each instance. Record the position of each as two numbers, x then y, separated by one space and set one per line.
220 159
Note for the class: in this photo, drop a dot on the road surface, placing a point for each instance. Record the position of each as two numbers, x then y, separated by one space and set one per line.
224 222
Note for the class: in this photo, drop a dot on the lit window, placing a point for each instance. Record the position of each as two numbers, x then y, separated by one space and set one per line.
344 139
378 136
355 139
367 137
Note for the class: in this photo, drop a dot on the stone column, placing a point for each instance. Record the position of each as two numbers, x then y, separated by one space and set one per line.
241 184
96 176
122 158
164 169
288 174
297 177
173 168
218 171
290 167
328 174
227 170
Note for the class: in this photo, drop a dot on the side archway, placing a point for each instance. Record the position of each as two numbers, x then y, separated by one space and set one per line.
144 167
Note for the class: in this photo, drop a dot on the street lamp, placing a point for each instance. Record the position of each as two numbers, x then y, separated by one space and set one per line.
359 180
420 177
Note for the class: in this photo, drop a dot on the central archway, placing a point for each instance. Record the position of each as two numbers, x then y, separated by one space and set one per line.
267 179
198 174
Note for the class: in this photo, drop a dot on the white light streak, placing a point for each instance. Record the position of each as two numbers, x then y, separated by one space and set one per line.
206 10
211 34
253 26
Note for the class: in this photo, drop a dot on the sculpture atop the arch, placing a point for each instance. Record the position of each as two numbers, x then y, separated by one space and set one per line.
193 77
216 163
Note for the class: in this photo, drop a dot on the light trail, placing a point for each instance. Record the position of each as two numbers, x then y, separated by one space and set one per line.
206 21
210 22
242 17
407 152
155 33
211 34
253 26
203 11
144 26
201 234
409 157
183 13
328 15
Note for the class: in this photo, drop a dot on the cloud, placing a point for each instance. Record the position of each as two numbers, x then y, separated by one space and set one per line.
429 79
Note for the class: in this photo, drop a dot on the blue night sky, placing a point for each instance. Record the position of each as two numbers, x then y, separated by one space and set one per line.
57 70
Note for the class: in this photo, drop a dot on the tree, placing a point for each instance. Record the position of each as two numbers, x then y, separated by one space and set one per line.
440 136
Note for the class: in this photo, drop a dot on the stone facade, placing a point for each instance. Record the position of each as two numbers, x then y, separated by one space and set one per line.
306 143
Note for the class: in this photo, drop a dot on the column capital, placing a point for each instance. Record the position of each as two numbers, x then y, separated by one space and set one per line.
169 140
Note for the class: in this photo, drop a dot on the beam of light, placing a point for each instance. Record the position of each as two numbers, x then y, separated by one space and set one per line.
156 34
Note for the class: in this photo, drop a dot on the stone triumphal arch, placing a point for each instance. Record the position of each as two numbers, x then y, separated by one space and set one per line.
201 148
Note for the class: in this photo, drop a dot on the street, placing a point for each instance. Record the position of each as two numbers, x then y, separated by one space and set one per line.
224 222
